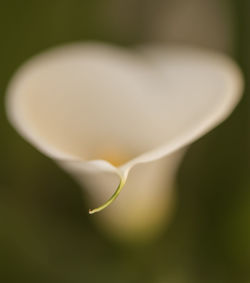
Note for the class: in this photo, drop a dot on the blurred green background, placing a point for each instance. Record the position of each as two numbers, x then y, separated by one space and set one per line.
46 234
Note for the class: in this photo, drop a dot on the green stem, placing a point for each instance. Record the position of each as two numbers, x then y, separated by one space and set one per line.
112 198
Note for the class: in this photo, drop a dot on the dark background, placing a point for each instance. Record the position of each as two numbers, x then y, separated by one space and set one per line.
46 234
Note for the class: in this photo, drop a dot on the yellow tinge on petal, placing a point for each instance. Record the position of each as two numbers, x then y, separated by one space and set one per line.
114 155
117 118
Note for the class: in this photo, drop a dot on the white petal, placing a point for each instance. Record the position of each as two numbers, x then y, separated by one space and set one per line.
71 99
78 102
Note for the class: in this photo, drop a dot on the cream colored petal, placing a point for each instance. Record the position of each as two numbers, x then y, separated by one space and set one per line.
81 103
71 99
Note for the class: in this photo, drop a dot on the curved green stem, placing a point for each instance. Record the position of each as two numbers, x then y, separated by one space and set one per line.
112 198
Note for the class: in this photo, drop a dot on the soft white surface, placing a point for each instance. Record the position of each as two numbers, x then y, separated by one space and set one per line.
76 101
82 102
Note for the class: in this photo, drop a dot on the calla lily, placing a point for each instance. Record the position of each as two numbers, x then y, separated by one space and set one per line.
115 118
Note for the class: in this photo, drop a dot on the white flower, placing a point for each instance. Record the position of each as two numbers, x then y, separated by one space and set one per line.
115 118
